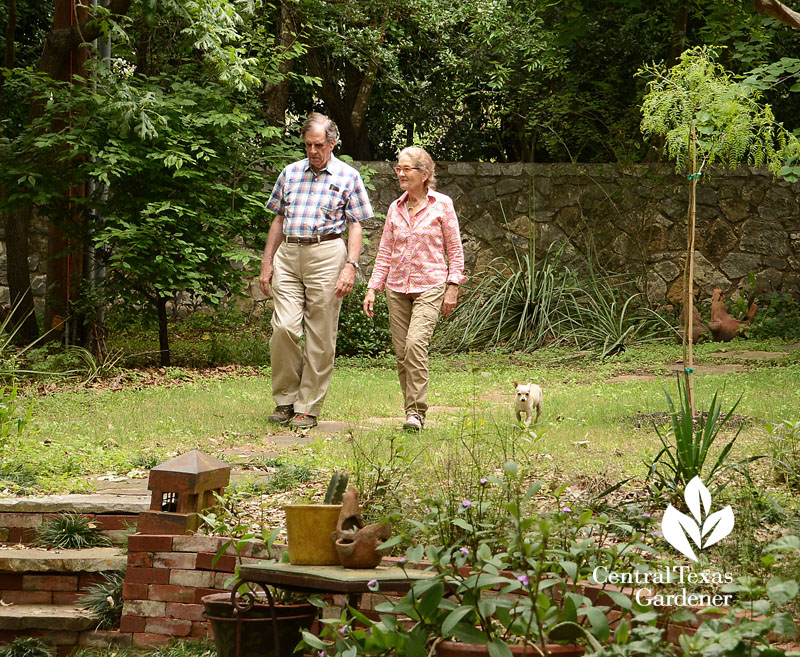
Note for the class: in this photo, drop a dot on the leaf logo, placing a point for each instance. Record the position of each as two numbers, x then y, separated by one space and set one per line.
678 527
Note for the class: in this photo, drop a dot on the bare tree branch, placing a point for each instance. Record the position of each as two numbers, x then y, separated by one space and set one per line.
779 11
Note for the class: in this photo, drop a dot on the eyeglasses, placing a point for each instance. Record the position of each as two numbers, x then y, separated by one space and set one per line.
405 170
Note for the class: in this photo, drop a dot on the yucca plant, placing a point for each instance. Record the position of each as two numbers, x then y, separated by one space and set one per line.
70 531
687 444
519 304
104 600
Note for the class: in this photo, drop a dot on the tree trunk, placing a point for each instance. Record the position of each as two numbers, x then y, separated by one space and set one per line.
11 27
163 336
277 94
678 41
779 11
55 61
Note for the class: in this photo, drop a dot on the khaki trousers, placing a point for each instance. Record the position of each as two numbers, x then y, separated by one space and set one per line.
303 282
412 318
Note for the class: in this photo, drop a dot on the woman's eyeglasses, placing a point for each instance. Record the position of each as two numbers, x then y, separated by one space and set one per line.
405 170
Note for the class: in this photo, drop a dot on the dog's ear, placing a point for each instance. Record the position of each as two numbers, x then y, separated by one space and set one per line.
516 383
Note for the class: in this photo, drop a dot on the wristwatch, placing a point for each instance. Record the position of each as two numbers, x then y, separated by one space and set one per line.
352 262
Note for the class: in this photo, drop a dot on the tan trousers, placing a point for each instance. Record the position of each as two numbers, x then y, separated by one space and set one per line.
412 318
303 283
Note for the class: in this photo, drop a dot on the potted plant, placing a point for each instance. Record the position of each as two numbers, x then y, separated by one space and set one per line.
245 622
512 588
309 526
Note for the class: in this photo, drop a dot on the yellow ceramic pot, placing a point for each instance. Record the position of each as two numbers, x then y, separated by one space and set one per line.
309 528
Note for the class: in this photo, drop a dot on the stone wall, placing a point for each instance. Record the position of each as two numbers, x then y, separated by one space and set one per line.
630 219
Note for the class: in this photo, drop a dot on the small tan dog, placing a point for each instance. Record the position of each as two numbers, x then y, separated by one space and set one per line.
529 396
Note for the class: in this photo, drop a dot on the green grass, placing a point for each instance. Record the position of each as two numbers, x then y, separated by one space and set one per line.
82 431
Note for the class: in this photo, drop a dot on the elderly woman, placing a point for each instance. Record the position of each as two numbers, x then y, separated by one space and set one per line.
420 264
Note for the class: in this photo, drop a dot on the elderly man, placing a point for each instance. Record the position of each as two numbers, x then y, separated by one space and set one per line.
308 269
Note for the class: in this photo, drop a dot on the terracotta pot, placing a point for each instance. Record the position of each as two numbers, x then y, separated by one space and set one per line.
255 628
458 649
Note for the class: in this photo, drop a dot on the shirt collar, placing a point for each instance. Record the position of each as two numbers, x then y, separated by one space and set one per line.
403 200
328 168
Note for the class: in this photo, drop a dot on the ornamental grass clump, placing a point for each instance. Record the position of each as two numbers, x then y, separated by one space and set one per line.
104 600
70 531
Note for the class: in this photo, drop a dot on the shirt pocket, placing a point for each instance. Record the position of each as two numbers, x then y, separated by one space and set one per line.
333 204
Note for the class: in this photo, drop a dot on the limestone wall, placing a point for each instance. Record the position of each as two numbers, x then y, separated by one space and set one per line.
629 218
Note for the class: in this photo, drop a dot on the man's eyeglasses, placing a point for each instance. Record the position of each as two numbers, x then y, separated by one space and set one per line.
405 170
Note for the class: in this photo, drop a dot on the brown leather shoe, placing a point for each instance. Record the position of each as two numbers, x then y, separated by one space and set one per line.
282 414
303 421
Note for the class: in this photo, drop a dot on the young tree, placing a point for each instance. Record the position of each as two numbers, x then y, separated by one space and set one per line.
709 119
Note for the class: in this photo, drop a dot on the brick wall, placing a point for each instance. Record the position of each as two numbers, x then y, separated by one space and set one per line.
166 579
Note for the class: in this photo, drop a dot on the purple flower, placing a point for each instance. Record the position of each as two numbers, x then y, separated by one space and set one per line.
321 653
484 480
466 504
401 560
464 550
566 509
373 585
655 534
343 630
647 515
523 579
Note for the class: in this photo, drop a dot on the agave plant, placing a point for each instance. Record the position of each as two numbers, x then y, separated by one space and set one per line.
687 444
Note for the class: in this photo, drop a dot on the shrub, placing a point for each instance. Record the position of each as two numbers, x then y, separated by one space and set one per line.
784 445
104 600
70 531
358 334
780 318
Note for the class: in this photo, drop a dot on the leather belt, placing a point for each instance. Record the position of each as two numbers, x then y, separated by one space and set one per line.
312 240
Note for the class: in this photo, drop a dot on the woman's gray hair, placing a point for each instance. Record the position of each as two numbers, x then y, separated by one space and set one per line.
423 161
315 118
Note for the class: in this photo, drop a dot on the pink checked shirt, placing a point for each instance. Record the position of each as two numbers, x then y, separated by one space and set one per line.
411 256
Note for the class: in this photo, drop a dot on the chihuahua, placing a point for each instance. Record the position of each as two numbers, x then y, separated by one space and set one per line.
529 396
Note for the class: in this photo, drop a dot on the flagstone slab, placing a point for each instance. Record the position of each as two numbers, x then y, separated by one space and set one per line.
96 503
35 560
46 617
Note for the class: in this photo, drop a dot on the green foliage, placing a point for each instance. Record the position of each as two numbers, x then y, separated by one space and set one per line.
26 647
104 600
14 415
70 531
778 318
698 102
358 334
784 451
687 444
516 304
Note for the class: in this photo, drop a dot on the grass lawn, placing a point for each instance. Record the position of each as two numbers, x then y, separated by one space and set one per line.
596 427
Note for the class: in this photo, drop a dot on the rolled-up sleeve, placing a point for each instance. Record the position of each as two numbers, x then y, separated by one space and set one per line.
359 207
276 201
383 259
453 246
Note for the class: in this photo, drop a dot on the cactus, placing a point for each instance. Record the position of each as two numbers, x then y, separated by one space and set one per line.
336 487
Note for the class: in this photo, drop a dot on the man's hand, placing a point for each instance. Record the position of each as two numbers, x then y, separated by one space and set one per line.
450 300
265 279
344 284
369 303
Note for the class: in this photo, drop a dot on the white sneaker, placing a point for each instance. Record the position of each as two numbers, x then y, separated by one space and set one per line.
413 422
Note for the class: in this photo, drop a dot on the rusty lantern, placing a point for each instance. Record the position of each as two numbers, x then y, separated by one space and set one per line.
182 488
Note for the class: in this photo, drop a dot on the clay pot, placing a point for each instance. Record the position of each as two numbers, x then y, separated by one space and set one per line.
358 546
458 649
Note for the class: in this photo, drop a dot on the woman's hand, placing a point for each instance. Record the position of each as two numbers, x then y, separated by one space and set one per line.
369 303
450 300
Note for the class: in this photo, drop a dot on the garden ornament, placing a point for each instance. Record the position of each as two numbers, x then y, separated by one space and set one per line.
357 545
723 327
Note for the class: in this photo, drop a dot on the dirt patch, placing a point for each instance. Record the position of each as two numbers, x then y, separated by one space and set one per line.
647 420
753 355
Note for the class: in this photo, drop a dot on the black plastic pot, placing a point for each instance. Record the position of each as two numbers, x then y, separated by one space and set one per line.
252 633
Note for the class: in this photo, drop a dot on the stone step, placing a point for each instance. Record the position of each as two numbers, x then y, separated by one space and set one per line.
117 504
46 617
89 560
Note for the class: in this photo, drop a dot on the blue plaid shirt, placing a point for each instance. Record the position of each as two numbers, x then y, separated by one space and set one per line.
317 204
